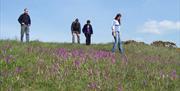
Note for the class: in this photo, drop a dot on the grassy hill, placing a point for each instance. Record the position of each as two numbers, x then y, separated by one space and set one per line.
38 66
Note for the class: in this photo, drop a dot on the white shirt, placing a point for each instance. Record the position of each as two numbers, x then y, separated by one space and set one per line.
115 25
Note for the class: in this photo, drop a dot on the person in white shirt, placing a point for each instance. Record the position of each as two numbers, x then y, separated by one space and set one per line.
116 34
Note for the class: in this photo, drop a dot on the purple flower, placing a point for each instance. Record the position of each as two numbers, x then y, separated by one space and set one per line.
55 67
63 53
8 59
99 55
162 75
120 88
92 85
75 53
77 63
173 74
18 70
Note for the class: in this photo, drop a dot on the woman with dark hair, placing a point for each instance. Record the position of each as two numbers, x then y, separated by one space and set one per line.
116 34
88 31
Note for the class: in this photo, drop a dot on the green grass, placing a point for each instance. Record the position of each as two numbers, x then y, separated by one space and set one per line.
38 66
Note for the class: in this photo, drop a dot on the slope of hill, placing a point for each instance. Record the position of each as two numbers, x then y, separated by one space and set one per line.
38 66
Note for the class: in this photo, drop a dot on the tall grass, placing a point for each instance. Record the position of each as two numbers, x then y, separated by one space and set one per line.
38 66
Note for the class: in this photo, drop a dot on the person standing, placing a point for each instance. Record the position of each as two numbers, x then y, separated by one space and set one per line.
117 40
88 31
116 34
76 30
25 21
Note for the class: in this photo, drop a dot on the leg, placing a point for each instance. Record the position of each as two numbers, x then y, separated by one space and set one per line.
89 39
86 35
73 37
121 50
115 43
22 32
78 37
27 33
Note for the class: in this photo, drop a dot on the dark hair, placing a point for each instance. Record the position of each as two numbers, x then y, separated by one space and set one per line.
88 21
25 9
77 20
116 18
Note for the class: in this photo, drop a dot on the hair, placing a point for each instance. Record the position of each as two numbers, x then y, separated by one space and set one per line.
116 18
25 9
88 21
77 20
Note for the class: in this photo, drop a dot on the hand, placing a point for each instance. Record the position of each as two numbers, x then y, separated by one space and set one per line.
114 33
22 23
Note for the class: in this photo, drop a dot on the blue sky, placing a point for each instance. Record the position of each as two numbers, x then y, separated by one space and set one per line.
142 20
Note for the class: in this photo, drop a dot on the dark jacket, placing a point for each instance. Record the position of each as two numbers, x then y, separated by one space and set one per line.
24 18
76 26
85 29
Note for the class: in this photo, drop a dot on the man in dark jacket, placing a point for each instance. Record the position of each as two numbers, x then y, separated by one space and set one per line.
76 30
88 31
25 22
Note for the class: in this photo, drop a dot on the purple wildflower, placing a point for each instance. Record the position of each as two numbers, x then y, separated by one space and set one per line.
55 67
92 85
18 70
8 59
120 88
173 74
63 53
77 63
162 74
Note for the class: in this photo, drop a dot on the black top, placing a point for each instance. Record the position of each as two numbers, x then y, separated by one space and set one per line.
76 26
87 30
24 18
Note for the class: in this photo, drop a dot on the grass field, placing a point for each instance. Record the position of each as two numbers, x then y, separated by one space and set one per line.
38 66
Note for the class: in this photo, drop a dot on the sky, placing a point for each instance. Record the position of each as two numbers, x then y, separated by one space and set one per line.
142 20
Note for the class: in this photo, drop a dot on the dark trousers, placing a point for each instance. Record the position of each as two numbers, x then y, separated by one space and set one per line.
88 38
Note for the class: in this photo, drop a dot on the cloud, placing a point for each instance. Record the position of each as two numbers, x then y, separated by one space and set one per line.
159 27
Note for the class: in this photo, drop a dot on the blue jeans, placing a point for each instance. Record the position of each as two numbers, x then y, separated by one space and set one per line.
117 42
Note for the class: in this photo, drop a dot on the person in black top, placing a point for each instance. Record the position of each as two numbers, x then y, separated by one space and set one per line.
88 31
25 21
76 30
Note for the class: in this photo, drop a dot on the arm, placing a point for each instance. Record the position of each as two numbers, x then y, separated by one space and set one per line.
29 21
113 26
20 19
83 30
72 26
91 29
79 28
